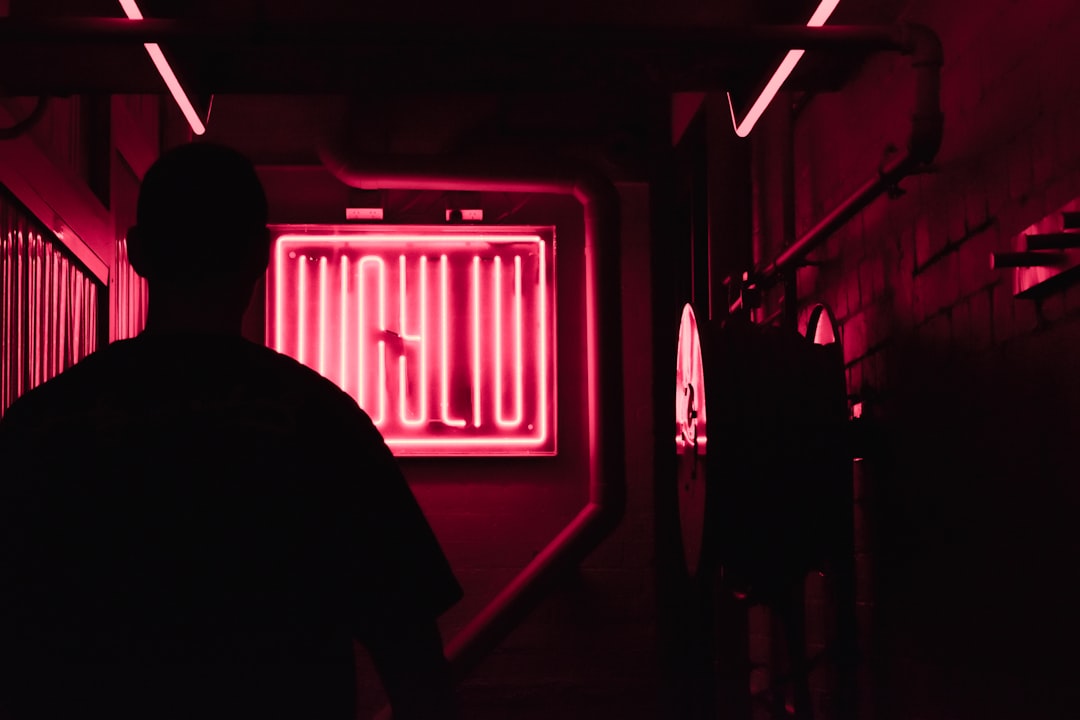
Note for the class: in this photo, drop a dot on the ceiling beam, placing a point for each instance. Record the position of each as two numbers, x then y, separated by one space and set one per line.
473 37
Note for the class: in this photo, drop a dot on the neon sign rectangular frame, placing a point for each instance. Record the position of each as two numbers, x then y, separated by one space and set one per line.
444 335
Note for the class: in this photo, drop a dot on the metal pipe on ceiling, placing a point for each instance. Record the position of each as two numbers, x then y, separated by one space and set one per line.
927 124
481 36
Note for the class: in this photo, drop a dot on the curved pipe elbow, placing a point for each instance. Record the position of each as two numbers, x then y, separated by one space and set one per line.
607 466
922 43
927 121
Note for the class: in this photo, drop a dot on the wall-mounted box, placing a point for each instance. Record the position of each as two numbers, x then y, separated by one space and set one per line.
1047 255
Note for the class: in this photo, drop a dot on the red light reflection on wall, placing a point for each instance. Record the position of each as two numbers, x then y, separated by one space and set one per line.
443 337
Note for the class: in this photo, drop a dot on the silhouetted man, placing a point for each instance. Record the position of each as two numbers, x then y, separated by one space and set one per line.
194 526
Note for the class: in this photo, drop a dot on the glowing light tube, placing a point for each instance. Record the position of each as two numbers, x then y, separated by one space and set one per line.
421 339
498 340
343 325
279 302
131 9
362 293
476 358
519 368
322 315
48 308
444 354
541 352
301 308
787 65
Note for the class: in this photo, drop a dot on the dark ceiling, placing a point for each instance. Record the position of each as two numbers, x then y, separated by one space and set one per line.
425 76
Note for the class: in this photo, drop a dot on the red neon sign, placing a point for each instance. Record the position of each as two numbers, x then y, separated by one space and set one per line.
444 337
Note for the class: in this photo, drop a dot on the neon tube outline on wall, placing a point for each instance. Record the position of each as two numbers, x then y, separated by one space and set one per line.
787 65
513 427
187 108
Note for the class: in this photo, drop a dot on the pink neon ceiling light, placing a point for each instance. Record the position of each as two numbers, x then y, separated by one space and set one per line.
787 65
131 9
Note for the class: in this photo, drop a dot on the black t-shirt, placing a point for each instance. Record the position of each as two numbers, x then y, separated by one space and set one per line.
197 526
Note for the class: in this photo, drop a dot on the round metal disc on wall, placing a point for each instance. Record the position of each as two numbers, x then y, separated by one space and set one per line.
821 326
690 439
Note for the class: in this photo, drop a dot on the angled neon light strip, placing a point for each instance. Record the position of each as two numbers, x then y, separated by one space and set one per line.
787 65
165 70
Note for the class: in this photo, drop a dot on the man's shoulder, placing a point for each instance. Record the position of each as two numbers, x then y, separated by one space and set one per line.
295 378
67 389
147 370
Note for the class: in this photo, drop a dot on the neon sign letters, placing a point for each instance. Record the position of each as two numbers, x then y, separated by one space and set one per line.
444 337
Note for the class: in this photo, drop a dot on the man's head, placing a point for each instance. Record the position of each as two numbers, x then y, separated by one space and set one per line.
201 221
201 239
